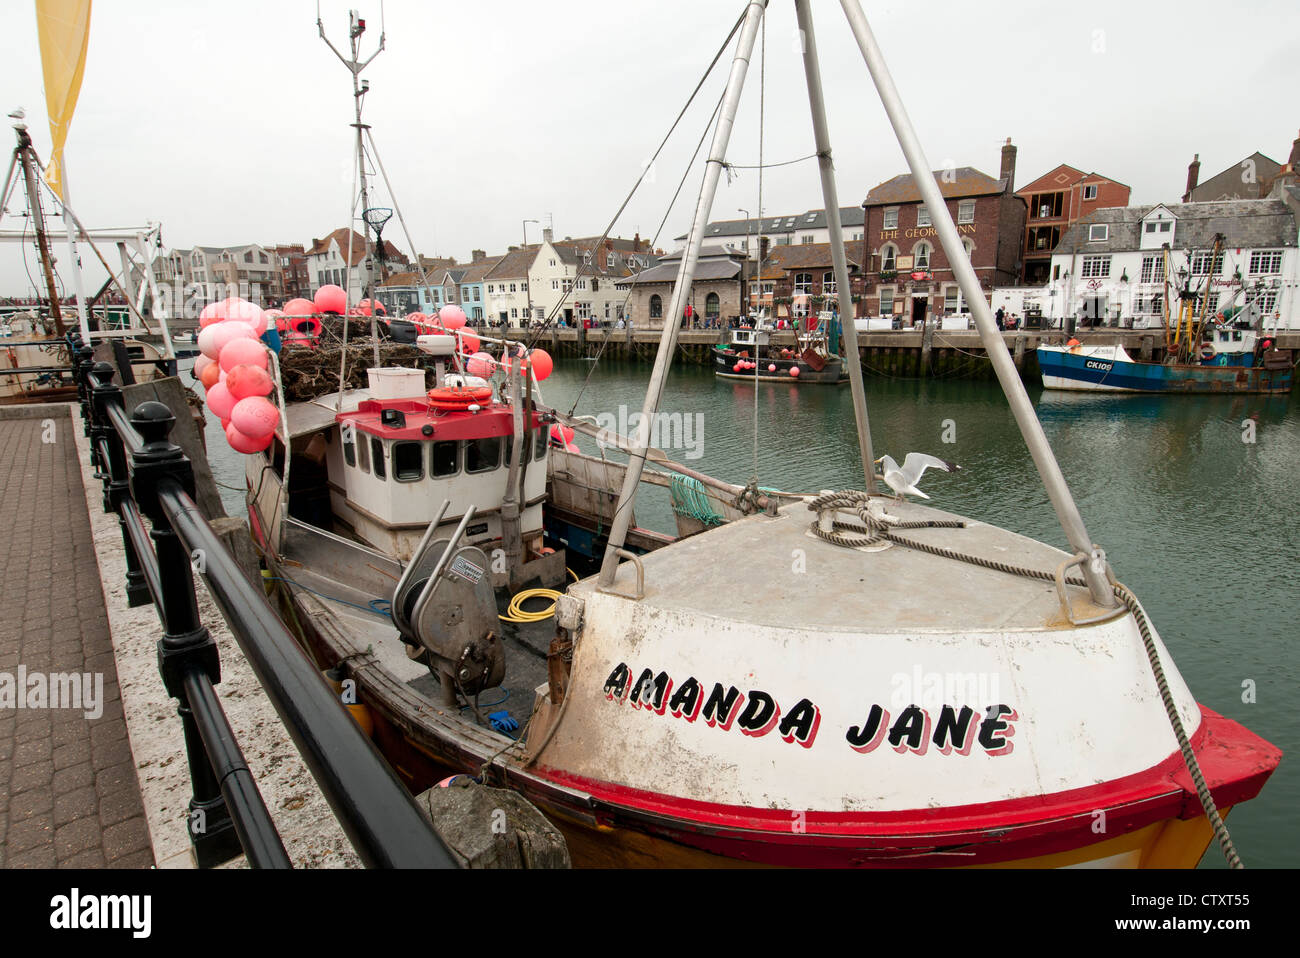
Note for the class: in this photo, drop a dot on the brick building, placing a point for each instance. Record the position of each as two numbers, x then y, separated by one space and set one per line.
800 280
907 273
294 279
1057 200
715 294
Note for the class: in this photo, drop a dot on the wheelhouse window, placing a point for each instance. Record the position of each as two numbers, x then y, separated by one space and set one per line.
444 459
377 453
482 455
363 454
527 448
539 444
408 461
350 446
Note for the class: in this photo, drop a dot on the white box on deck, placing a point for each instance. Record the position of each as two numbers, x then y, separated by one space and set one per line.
396 382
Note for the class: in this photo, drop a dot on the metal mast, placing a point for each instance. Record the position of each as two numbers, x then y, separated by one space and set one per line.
1067 512
23 156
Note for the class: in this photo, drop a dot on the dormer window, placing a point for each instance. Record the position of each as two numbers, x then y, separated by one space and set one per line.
1098 233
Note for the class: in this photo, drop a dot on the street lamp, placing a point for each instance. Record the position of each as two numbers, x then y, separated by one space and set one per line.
528 288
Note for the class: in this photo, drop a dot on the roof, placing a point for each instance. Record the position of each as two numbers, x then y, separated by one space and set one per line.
574 253
477 272
964 181
1231 185
409 278
514 264
715 263
1245 224
1060 178
781 259
358 247
808 220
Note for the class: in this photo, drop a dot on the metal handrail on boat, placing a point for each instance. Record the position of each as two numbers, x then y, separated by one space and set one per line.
146 476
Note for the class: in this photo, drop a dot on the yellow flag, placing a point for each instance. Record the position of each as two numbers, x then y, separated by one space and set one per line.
64 30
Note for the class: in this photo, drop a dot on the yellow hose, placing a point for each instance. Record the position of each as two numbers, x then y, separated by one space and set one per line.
515 612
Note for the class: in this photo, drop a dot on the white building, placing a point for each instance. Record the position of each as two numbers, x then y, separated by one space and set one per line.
211 273
804 228
574 280
327 262
1119 266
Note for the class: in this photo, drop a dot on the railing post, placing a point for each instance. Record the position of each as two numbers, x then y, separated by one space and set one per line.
186 645
112 469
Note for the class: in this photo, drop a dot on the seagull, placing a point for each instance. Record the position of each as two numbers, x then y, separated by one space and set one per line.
903 480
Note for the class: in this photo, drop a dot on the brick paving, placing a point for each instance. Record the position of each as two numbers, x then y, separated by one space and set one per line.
69 795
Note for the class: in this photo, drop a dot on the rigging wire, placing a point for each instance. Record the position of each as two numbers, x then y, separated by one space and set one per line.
762 107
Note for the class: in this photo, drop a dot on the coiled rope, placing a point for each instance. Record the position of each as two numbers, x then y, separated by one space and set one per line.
690 499
875 530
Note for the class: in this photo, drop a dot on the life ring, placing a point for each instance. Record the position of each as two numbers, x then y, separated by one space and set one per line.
458 397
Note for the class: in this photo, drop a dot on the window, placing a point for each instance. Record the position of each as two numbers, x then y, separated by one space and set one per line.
444 459
922 215
966 211
891 219
1201 265
555 284
656 307
1265 261
377 454
950 299
1267 301
1095 267
712 306
527 451
802 284
807 240
888 258
552 262
1153 268
408 461
922 254
1098 232
828 283
363 453
886 302
261 258
1090 192
1151 227
512 287
248 256
482 455
969 247
350 445
609 260
539 444
1166 226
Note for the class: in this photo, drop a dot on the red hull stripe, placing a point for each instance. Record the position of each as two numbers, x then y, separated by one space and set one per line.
1235 762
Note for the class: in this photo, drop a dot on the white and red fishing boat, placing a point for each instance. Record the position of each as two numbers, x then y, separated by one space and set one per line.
828 680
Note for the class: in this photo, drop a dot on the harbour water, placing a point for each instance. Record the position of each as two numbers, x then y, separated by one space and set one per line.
1191 497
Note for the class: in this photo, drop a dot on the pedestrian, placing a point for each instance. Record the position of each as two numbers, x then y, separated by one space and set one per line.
1000 316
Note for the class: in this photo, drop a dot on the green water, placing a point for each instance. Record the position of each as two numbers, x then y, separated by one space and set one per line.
1200 524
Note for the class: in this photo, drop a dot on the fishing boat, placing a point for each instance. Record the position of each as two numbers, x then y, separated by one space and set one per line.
902 686
749 354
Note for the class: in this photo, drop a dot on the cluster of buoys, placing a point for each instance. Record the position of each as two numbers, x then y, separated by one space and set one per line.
233 369
562 436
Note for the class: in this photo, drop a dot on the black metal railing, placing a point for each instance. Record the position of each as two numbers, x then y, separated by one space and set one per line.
148 479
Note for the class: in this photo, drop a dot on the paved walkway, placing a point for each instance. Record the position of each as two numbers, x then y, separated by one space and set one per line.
69 795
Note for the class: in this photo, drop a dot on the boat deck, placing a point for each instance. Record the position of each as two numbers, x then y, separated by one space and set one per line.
772 571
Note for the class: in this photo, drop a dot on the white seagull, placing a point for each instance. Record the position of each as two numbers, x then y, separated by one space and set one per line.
903 479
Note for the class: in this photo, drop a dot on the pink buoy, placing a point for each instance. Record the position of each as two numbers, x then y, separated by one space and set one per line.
562 433
242 350
794 372
211 374
245 312
469 343
452 316
245 444
541 362
220 401
771 367
570 447
247 380
200 364
330 299
255 417
209 315
299 307
481 365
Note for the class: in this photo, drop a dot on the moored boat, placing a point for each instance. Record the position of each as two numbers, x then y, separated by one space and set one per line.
749 354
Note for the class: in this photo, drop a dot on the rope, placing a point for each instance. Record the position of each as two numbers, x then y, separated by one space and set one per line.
690 499
875 530
516 612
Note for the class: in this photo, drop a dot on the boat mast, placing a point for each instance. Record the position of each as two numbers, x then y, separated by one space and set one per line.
839 263
356 27
681 289
1067 512
23 155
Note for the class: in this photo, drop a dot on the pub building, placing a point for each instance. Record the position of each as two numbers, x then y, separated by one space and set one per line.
909 277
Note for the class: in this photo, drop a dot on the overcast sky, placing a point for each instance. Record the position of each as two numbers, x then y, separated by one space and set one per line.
229 122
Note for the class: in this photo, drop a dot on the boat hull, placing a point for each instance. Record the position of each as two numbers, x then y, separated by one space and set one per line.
1085 370
725 368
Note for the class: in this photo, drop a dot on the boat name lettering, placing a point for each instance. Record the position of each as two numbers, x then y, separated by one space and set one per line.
949 730
1098 364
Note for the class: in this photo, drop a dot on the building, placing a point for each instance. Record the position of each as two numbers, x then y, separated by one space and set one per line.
576 280
1247 180
799 281
716 294
506 287
212 273
808 227
907 273
473 296
295 280
1121 266
328 262
1056 201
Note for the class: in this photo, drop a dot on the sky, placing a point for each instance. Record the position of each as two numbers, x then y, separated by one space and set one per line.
230 123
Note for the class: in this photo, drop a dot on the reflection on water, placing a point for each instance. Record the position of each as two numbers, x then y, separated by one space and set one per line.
1199 523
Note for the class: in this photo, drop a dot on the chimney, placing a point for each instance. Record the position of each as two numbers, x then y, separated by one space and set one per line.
1193 175
477 255
636 242
511 249
764 244
1009 166
1293 160
548 235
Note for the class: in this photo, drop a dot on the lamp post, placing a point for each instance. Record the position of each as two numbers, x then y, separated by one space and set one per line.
528 288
